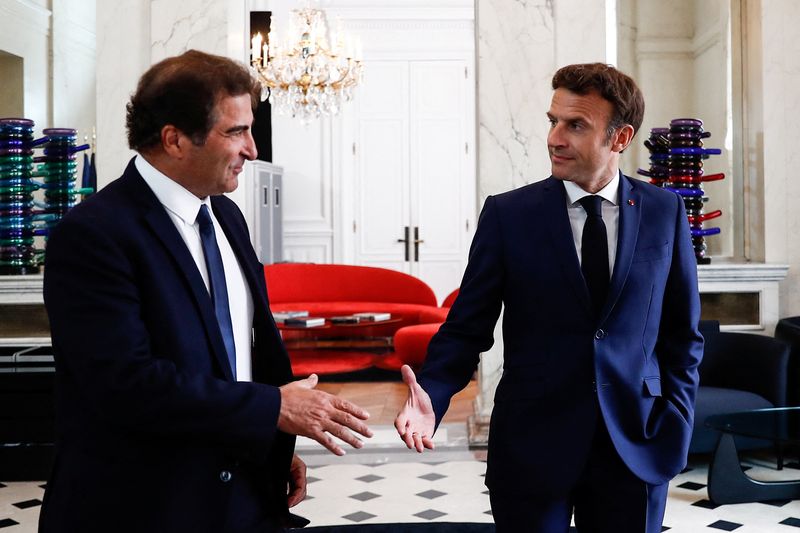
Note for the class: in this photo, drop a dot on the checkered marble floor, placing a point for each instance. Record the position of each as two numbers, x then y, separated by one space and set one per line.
384 482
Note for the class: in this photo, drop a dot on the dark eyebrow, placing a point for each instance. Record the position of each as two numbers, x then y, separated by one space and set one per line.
237 129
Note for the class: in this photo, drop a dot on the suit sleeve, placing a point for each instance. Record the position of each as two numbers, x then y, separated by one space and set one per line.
680 344
107 371
454 352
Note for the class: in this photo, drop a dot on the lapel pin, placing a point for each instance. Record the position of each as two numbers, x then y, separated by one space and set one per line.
631 202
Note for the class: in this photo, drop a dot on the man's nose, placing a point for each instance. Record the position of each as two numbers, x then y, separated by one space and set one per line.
555 136
250 151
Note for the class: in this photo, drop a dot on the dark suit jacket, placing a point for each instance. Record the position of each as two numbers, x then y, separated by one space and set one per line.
637 363
149 421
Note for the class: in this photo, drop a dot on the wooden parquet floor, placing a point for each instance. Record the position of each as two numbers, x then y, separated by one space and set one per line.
384 399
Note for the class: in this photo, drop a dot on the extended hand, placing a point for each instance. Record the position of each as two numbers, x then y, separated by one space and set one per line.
297 481
416 421
318 415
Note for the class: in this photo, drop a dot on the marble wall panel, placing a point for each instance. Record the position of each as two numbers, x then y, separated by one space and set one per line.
516 61
780 76
177 26
122 56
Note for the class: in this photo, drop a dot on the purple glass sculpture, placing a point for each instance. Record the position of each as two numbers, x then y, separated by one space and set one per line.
676 164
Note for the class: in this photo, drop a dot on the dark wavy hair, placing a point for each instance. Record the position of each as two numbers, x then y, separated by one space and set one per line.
617 87
183 91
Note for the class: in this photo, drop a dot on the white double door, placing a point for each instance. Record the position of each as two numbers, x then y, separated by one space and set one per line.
412 132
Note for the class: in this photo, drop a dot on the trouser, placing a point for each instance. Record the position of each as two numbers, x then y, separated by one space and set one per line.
607 498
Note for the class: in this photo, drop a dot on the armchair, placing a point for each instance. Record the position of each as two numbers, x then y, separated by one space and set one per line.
788 330
739 372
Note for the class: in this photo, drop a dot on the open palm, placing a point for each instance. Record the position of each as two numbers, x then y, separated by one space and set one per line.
416 420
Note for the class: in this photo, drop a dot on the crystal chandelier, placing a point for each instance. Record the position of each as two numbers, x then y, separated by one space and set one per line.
305 75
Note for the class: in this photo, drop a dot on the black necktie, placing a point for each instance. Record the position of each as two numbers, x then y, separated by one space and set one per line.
594 252
216 277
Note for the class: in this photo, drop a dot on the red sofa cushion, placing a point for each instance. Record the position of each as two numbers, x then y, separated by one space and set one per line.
411 343
309 282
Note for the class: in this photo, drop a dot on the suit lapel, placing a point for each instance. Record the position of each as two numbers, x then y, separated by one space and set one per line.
554 207
630 214
268 366
243 250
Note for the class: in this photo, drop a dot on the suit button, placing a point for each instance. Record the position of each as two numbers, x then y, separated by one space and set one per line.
599 334
225 476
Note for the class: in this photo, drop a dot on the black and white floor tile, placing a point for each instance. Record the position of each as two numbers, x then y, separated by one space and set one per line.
384 483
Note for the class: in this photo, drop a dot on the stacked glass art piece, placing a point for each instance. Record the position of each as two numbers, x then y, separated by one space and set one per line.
676 164
23 217
58 169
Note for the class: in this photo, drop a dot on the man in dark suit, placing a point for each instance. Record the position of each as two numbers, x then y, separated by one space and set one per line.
175 406
593 413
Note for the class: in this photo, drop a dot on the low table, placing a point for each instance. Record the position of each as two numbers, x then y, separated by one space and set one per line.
340 348
727 482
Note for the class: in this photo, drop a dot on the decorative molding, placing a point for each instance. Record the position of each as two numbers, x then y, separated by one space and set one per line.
27 13
701 43
760 278
21 289
76 38
307 250
741 272
649 48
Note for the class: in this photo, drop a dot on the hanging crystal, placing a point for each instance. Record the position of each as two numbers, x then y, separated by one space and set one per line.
306 76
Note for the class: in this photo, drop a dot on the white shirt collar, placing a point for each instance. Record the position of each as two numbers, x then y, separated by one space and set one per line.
610 192
172 195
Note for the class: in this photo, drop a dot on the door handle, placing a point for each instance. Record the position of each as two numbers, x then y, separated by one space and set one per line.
417 242
405 240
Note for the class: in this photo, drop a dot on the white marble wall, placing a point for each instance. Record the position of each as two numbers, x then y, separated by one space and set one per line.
520 46
123 54
177 26
74 44
774 156
516 60
153 30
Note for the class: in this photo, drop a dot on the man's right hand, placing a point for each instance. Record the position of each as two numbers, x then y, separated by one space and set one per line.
416 421
318 415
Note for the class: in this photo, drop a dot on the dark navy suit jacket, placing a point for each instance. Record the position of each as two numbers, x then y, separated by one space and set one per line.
636 366
152 432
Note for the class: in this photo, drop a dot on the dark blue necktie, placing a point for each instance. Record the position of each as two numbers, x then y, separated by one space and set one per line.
594 252
216 277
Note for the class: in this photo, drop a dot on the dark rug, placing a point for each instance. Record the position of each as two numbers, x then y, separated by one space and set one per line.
433 527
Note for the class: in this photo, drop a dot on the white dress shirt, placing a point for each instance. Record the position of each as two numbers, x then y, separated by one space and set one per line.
182 207
610 211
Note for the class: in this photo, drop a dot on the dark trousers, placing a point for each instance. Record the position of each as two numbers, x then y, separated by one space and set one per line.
607 498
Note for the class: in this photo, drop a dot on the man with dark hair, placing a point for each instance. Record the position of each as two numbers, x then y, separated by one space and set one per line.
593 414
175 405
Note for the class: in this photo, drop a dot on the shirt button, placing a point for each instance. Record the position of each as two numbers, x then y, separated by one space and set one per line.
225 476
599 334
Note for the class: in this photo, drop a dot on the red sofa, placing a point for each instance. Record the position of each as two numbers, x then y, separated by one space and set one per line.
326 290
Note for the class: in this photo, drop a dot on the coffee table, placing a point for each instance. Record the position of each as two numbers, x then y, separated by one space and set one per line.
727 482
339 348
349 336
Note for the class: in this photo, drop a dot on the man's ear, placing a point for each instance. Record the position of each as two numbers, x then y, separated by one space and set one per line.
173 141
622 138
